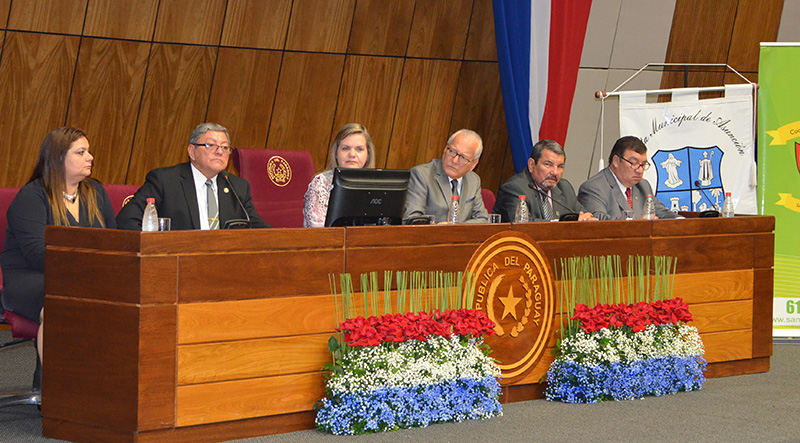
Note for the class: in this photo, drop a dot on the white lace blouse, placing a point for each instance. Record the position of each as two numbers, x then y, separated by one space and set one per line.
315 206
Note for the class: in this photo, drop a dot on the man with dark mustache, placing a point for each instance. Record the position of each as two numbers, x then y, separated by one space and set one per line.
546 194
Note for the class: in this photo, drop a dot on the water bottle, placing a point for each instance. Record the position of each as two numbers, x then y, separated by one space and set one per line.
649 209
521 215
452 212
727 206
150 217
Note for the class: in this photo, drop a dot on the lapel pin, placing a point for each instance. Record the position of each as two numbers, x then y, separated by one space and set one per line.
225 190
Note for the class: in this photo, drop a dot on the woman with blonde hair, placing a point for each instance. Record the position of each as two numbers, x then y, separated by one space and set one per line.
352 148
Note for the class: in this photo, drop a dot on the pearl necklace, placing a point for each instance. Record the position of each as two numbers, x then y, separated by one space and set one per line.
70 198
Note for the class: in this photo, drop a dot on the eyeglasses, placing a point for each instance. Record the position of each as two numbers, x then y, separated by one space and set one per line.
213 148
462 159
645 166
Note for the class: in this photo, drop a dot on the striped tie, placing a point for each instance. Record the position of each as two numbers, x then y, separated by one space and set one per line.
213 211
547 209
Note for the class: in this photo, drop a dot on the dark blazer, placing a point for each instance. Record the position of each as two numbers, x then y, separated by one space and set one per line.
429 193
508 197
176 198
601 196
23 252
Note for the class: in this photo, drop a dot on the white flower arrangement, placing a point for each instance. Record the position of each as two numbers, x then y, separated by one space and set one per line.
413 363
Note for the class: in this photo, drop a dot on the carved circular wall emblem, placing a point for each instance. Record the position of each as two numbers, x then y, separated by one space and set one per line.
279 171
515 288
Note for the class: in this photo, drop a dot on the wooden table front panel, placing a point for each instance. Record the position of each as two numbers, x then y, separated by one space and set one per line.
199 328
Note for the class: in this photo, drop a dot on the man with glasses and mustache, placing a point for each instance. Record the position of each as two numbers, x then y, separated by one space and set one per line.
195 194
546 193
432 185
620 186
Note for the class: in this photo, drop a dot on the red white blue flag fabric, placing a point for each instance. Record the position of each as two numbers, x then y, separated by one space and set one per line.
539 45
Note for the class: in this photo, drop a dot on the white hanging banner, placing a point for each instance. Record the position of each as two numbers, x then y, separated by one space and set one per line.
697 144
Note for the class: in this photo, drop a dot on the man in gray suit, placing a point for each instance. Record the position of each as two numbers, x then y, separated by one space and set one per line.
433 184
546 193
620 185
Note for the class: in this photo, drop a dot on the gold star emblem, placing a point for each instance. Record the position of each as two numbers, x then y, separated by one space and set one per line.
510 303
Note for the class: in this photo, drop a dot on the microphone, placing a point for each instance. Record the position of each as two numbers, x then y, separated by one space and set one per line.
236 223
709 213
567 216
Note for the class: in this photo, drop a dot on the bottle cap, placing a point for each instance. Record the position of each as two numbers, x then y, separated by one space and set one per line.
522 197
727 194
455 197
649 196
151 200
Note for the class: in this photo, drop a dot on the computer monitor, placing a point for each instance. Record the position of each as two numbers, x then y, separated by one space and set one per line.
367 197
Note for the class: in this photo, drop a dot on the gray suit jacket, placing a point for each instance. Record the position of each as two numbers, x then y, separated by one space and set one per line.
601 196
429 194
508 197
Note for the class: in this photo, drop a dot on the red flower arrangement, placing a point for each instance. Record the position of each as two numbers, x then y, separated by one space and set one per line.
637 316
397 328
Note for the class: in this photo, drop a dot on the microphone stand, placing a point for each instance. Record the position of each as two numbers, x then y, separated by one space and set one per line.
567 216
709 213
237 223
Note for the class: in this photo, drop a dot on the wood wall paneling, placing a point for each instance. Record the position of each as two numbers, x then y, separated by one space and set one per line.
244 93
5 6
368 95
105 101
61 17
190 21
481 38
305 103
133 20
256 23
424 112
320 25
756 21
701 33
175 98
381 27
440 29
35 77
479 106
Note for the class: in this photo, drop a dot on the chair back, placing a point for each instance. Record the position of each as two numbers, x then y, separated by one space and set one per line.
21 327
6 197
278 181
488 199
119 195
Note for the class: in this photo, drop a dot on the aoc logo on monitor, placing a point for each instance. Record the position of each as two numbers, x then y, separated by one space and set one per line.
279 171
515 288
376 201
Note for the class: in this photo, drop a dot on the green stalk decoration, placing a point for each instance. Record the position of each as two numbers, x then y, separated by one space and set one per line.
387 292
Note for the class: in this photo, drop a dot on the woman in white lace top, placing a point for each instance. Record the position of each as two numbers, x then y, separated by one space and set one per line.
352 148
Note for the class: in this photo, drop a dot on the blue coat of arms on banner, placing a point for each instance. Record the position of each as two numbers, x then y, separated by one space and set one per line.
683 172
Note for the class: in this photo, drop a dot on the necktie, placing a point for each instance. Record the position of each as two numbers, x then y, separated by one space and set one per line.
213 211
628 195
547 209
454 186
